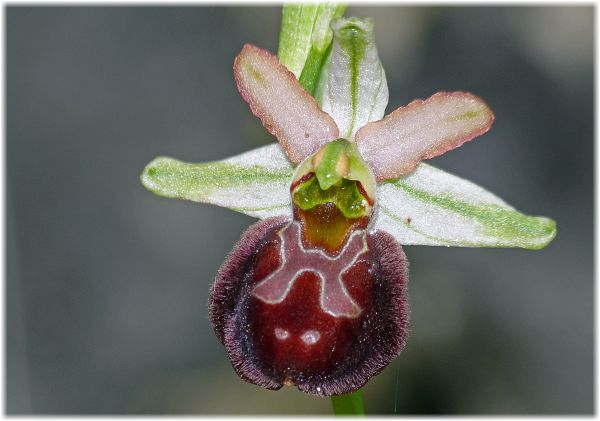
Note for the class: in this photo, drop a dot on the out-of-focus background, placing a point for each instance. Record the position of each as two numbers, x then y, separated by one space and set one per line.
107 284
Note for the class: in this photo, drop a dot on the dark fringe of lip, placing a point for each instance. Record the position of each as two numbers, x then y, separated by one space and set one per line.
387 330
225 291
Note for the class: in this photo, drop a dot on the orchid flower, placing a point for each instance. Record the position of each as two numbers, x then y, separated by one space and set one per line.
314 295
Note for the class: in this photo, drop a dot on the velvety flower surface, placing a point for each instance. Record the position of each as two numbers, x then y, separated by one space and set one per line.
323 348
314 295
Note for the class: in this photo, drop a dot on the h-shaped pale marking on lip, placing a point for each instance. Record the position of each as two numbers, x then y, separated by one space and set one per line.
275 287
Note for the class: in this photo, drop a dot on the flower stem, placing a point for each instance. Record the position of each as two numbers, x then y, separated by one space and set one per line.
350 404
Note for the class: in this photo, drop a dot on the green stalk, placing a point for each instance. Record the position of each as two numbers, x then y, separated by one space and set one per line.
305 38
304 42
350 404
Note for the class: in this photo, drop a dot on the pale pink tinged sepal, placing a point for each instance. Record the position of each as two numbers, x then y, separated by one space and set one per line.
423 129
286 110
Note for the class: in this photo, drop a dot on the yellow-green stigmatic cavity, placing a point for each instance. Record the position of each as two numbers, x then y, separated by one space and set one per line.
336 174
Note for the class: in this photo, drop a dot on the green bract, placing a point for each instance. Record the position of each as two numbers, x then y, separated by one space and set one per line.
304 39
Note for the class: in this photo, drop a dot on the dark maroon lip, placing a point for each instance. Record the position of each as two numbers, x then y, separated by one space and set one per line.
293 341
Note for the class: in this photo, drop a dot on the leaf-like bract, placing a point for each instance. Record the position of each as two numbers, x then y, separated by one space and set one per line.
305 34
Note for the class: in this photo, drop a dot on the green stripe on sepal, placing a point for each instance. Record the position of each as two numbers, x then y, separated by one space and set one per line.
305 37
355 91
255 183
432 207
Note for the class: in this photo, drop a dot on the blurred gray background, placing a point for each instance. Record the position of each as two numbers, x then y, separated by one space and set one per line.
107 284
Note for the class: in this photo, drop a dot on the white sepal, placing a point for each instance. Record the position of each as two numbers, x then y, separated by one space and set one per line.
356 91
432 207
255 183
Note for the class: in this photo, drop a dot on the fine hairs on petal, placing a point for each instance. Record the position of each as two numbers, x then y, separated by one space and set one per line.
225 290
286 110
421 130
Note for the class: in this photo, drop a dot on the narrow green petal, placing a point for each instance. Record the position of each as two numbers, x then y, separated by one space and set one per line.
255 183
432 207
356 91
304 38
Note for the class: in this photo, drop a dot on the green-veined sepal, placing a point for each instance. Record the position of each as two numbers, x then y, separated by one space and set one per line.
426 207
432 207
356 91
255 183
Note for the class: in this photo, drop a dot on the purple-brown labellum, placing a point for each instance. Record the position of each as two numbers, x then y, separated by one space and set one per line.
292 314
